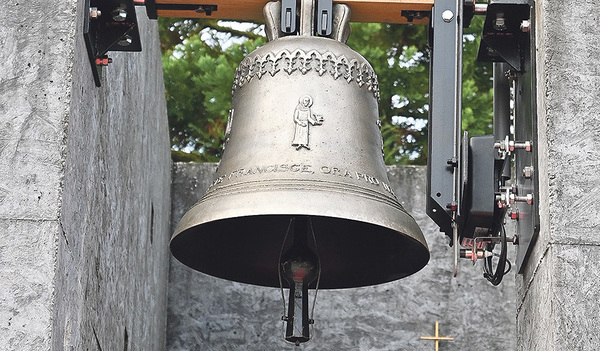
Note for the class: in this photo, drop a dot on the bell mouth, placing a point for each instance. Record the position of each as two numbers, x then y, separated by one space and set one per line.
247 250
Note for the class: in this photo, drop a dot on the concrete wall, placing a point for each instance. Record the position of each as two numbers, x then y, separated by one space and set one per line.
559 292
207 313
84 187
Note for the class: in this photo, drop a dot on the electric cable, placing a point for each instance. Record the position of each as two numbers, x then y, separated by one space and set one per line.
495 277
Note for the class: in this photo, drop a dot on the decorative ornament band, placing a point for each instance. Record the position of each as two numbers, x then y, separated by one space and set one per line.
383 195
351 70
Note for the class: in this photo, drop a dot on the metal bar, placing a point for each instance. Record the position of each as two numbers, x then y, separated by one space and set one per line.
502 108
384 11
443 173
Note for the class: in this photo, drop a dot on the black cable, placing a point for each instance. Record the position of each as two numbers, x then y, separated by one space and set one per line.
496 277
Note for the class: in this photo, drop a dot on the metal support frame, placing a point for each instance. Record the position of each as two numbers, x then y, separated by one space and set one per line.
508 40
452 201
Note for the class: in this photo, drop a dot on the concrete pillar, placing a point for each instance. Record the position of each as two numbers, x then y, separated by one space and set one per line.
84 186
557 304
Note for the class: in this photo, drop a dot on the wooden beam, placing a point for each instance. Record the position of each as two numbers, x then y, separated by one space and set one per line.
384 11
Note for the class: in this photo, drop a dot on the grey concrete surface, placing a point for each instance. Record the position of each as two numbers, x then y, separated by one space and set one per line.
558 294
84 187
35 81
206 313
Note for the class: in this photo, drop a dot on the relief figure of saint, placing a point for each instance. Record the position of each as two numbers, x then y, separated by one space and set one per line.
303 118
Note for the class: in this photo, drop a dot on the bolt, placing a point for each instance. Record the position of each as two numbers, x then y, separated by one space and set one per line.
452 162
491 51
503 197
514 214
119 15
103 61
520 145
206 9
447 16
515 240
125 41
510 74
480 8
528 172
527 198
525 26
95 13
500 22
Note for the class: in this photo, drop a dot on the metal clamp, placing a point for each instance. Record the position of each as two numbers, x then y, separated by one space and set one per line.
324 17
288 16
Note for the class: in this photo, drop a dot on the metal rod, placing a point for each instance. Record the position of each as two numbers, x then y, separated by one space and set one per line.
502 108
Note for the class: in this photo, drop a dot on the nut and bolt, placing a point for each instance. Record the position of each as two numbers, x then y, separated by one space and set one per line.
502 198
514 240
206 9
500 22
520 145
452 206
510 74
447 16
119 15
95 13
525 26
516 198
528 172
502 145
103 61
126 40
481 8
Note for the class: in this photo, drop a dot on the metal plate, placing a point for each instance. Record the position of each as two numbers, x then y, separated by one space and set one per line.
444 125
528 223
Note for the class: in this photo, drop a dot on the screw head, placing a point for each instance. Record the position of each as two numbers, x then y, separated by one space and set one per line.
103 61
526 26
447 16
500 22
125 41
95 13
119 15
528 172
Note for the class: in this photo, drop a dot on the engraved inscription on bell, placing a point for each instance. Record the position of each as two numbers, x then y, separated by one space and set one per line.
303 119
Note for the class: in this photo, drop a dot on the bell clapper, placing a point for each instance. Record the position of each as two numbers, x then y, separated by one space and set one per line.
299 266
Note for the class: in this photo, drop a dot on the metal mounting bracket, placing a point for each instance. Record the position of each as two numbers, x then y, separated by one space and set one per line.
109 25
456 175
445 87
508 39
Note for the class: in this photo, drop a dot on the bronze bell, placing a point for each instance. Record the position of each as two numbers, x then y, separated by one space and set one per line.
302 171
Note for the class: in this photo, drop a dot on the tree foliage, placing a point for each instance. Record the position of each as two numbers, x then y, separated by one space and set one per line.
198 71
200 57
